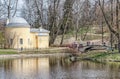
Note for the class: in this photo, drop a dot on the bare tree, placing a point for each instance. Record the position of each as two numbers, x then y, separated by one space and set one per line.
9 8
110 26
77 10
111 35
67 16
86 17
54 18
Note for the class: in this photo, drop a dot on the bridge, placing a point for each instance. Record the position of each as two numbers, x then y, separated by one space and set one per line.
85 48
93 47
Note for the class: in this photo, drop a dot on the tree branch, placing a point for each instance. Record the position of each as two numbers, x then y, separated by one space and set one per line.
109 26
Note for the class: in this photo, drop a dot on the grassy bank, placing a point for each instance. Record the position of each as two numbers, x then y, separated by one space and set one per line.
7 51
48 50
101 56
37 51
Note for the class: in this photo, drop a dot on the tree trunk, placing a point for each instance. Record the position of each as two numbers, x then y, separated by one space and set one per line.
117 23
9 8
111 35
66 17
102 24
102 33
76 30
53 22
63 33
86 33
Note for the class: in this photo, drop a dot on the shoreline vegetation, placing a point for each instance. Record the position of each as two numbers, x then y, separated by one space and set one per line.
99 56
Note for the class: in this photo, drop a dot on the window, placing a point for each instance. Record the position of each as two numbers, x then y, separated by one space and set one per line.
28 41
21 41
11 41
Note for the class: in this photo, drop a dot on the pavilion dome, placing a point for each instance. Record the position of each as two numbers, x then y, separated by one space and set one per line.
17 22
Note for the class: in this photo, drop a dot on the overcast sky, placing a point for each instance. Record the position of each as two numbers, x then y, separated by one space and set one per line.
20 3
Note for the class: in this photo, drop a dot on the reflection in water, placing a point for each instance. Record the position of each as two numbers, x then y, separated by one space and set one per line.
56 68
25 68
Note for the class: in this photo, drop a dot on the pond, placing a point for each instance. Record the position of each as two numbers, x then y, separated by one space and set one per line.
56 68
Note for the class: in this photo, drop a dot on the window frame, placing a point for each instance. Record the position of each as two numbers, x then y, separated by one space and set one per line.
21 41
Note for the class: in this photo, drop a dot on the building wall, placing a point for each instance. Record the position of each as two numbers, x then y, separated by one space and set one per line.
43 41
33 39
30 40
16 34
40 41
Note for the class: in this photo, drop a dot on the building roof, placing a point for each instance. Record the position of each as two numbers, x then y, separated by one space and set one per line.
43 34
17 22
40 30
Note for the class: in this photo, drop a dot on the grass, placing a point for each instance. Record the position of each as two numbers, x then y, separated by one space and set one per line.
102 56
10 52
81 31
51 50
7 51
110 57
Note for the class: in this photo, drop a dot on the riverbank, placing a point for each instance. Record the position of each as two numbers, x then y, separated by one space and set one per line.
10 53
48 50
101 56
36 51
12 56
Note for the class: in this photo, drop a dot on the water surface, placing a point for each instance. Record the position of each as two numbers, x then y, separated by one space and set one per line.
56 68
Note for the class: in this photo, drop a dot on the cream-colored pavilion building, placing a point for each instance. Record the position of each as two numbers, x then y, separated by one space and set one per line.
19 35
